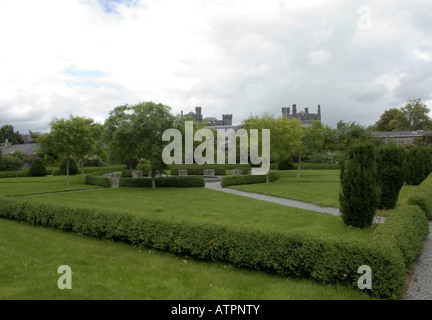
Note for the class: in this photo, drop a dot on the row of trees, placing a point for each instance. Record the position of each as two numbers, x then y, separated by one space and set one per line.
372 177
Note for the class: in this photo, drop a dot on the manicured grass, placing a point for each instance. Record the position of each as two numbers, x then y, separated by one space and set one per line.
101 269
208 206
320 187
35 185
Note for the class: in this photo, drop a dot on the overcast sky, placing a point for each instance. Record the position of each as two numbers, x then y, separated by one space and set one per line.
85 57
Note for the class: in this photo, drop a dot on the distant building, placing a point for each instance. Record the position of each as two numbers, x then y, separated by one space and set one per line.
29 150
401 136
210 121
305 117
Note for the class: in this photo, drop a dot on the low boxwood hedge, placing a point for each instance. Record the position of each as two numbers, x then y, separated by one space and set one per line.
406 229
196 169
175 182
422 196
97 180
248 179
328 260
14 174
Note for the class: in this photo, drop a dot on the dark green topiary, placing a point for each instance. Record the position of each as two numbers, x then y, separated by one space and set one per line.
37 168
360 192
390 174
415 166
73 169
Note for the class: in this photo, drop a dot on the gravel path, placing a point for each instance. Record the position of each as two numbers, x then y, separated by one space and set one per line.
420 285
215 185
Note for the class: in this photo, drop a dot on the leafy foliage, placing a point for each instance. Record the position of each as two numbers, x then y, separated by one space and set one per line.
73 169
37 168
10 163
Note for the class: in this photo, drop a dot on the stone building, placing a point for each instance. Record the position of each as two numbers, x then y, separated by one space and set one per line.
305 117
210 121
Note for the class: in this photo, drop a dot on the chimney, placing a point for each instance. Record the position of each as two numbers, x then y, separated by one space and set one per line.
319 109
294 109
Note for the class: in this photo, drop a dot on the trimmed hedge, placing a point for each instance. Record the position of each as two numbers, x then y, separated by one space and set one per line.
422 196
97 180
14 174
406 229
327 260
99 170
175 182
198 169
317 166
248 179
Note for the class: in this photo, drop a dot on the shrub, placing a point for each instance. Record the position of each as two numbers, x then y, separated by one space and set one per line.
37 168
93 161
327 260
174 182
285 163
97 180
73 169
126 174
390 174
428 160
422 196
18 154
10 163
248 179
359 194
415 166
406 228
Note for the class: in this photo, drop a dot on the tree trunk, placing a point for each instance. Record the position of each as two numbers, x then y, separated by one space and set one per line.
82 168
153 173
67 171
268 177
299 166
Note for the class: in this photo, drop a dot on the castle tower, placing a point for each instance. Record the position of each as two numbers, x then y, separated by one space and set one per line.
198 115
294 109
227 119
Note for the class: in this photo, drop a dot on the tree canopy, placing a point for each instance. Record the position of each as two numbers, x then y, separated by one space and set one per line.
413 116
7 132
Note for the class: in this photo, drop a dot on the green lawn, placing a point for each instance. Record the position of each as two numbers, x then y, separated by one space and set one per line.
209 206
34 185
101 269
30 256
320 187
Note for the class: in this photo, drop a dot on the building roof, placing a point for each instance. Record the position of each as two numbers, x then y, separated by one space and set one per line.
400 134
26 149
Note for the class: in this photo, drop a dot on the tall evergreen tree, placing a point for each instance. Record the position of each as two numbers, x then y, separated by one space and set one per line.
359 194
390 174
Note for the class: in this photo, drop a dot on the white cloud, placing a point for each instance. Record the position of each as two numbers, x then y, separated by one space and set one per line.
236 57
